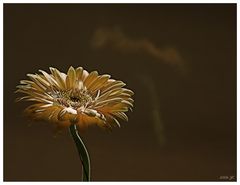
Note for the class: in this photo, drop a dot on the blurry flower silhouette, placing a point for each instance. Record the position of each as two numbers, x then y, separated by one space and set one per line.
77 97
116 38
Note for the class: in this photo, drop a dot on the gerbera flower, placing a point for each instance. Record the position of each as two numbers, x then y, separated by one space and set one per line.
77 97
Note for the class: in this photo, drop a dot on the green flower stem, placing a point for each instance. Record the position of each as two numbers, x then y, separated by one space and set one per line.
82 151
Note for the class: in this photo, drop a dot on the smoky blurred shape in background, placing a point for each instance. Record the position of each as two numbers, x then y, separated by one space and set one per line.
180 60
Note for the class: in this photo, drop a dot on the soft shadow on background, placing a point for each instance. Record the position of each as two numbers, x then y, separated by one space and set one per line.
180 60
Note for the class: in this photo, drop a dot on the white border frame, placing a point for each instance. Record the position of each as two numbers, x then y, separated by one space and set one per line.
108 1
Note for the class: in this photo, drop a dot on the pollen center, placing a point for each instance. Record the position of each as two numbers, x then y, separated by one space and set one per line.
72 98
75 99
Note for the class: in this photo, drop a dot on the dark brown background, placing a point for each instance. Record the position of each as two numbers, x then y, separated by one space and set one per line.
196 138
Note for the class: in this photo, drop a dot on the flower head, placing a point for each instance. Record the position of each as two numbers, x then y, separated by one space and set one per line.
77 97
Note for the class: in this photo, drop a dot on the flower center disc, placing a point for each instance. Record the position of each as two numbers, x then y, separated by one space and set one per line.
72 98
